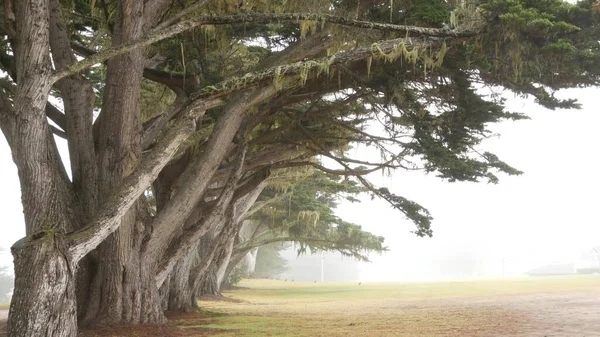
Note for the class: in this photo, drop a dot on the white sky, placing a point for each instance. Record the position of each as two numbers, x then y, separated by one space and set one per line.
547 214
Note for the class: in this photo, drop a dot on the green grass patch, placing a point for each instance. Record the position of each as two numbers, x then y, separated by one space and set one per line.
4 306
466 308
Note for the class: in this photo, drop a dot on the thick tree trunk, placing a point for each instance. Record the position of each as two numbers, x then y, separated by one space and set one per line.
163 292
216 272
44 303
181 296
122 293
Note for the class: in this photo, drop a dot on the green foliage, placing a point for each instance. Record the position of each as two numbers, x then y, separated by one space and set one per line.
537 47
306 217
430 12
237 274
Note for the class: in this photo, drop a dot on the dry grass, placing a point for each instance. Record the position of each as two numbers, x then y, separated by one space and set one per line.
474 308
560 306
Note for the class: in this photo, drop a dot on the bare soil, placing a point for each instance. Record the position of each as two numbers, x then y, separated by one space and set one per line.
571 314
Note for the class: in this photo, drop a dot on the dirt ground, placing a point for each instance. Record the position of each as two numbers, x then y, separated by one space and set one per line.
557 309
570 314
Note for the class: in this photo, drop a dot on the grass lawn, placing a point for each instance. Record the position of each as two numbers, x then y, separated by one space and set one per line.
556 306
470 308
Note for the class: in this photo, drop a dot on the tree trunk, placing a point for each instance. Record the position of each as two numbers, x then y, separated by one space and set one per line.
122 289
181 296
163 291
224 262
216 272
210 283
250 261
44 303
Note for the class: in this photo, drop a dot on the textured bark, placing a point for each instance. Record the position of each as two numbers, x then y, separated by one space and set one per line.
78 97
118 142
180 296
44 303
215 274
194 181
210 284
215 255
189 237
43 179
164 294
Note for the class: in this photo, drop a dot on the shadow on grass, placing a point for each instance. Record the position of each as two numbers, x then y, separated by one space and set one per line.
179 325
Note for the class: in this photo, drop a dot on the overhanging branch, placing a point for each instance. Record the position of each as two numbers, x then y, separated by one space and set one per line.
186 25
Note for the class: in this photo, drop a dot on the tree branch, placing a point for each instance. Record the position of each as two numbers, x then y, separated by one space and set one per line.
158 35
193 182
186 241
181 14
108 216
78 97
156 125
57 116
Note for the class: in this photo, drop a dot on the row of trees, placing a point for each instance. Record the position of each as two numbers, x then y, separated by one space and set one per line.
180 116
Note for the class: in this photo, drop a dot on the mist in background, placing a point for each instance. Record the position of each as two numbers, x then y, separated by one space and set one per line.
548 215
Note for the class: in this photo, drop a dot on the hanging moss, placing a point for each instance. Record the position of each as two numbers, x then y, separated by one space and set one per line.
307 26
412 56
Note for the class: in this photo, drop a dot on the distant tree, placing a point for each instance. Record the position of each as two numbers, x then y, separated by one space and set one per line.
297 206
269 262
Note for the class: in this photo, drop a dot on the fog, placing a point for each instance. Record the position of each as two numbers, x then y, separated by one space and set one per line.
546 215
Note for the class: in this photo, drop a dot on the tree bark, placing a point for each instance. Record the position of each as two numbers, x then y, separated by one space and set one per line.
44 302
210 282
180 297
118 142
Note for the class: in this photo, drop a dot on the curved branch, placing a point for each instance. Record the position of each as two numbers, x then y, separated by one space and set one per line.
108 217
185 242
57 116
